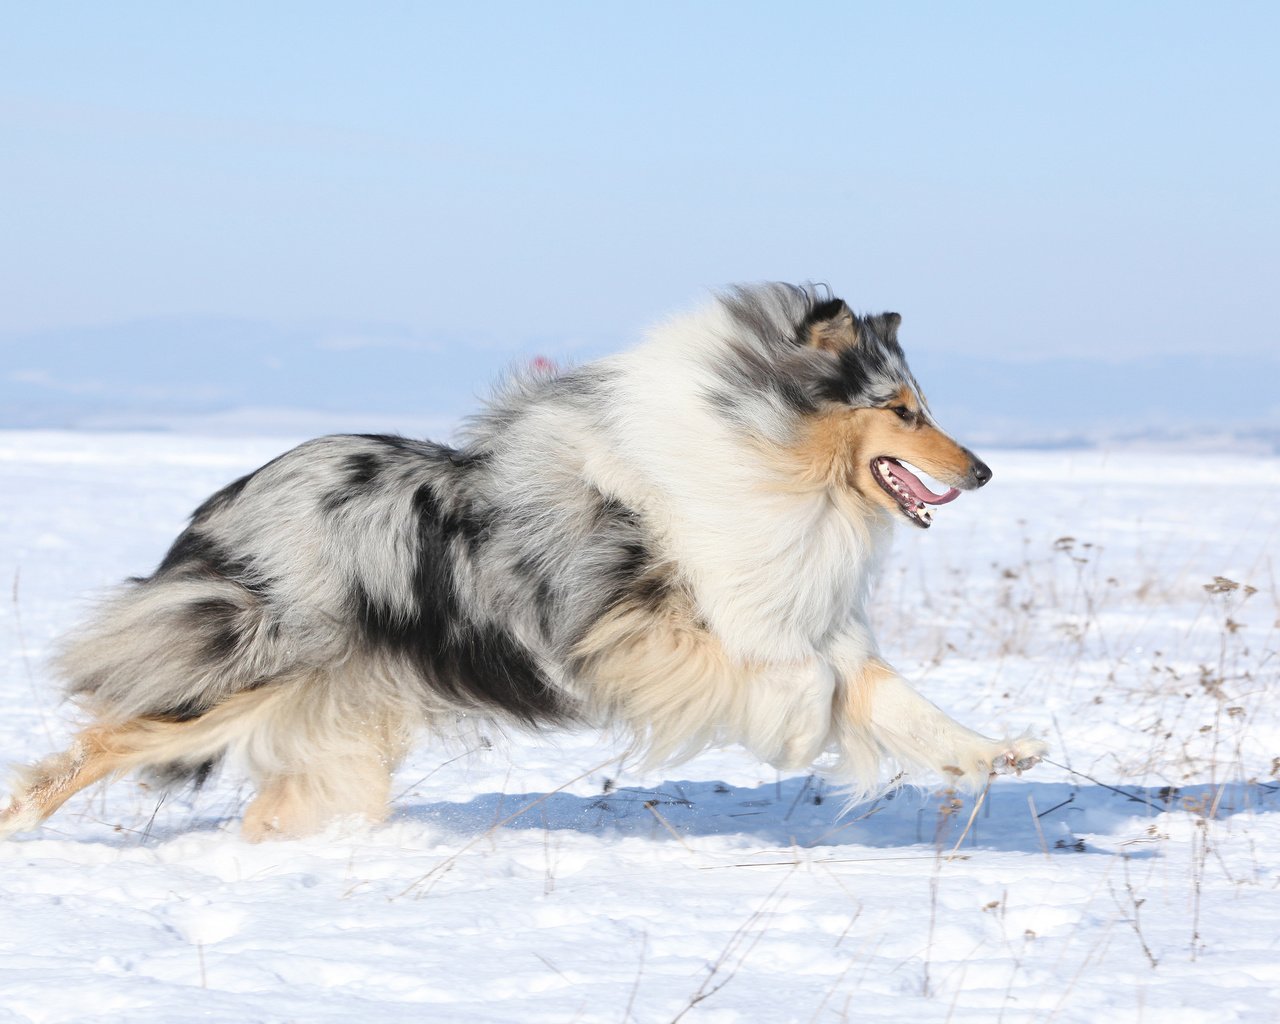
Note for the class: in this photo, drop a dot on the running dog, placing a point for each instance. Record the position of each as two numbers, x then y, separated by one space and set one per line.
679 541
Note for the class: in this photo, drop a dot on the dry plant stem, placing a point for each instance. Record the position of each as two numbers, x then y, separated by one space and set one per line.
1008 989
443 764
955 996
875 808
799 795
498 821
146 832
549 879
1085 964
26 659
945 810
635 986
853 957
449 861
652 808
969 824
830 992
1060 804
1135 921
1113 789
553 967
706 990
933 920
822 863
1035 820
1199 855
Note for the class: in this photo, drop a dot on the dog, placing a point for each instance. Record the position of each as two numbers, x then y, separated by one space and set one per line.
679 540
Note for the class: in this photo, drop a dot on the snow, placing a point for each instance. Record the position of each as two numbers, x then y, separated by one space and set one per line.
538 878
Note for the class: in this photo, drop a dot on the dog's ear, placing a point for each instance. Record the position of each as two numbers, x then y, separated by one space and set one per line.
831 327
886 326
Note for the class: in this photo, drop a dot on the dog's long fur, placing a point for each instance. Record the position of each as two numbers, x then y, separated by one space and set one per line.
679 540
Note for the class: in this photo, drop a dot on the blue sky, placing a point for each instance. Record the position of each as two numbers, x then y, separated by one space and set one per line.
1020 180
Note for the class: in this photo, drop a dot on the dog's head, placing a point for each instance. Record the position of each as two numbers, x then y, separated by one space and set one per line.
858 419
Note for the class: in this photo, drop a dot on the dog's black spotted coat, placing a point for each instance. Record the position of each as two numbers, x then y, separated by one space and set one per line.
475 569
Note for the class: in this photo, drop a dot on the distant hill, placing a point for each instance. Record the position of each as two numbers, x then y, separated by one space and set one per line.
1063 401
225 375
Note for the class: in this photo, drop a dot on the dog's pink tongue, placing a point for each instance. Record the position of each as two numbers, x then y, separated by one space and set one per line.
916 487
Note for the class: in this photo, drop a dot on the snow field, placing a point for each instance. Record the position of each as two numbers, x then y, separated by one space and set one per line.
539 879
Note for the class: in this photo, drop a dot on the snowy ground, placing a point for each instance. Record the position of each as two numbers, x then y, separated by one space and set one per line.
540 880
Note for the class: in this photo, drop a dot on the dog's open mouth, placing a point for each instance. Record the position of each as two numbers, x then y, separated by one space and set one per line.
912 496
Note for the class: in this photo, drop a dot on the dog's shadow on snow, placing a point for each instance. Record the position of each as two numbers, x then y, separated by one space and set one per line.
804 812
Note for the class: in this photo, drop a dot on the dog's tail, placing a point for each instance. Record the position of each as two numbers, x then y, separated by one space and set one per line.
172 648
178 671
166 652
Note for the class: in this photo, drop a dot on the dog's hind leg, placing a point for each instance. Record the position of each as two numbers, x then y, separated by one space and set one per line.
99 752
303 802
105 750
314 757
324 754
42 788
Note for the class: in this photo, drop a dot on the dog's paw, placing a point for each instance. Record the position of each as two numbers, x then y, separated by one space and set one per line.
1018 755
17 817
983 761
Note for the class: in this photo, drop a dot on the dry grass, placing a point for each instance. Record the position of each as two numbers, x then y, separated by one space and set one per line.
1183 663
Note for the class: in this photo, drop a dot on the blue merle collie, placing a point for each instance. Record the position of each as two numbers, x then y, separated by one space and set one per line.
679 541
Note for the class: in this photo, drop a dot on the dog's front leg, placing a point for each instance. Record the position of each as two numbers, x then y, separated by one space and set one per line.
877 714
786 713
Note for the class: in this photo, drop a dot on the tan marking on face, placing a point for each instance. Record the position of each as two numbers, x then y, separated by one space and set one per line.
907 397
836 449
933 451
823 455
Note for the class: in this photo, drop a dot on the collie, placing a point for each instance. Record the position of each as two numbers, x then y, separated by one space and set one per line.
679 540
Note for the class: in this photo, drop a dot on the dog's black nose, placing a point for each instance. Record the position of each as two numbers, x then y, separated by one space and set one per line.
980 472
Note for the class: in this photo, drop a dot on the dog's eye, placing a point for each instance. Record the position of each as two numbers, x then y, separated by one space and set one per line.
904 414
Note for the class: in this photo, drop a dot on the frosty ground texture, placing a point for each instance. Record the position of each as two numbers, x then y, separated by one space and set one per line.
539 879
